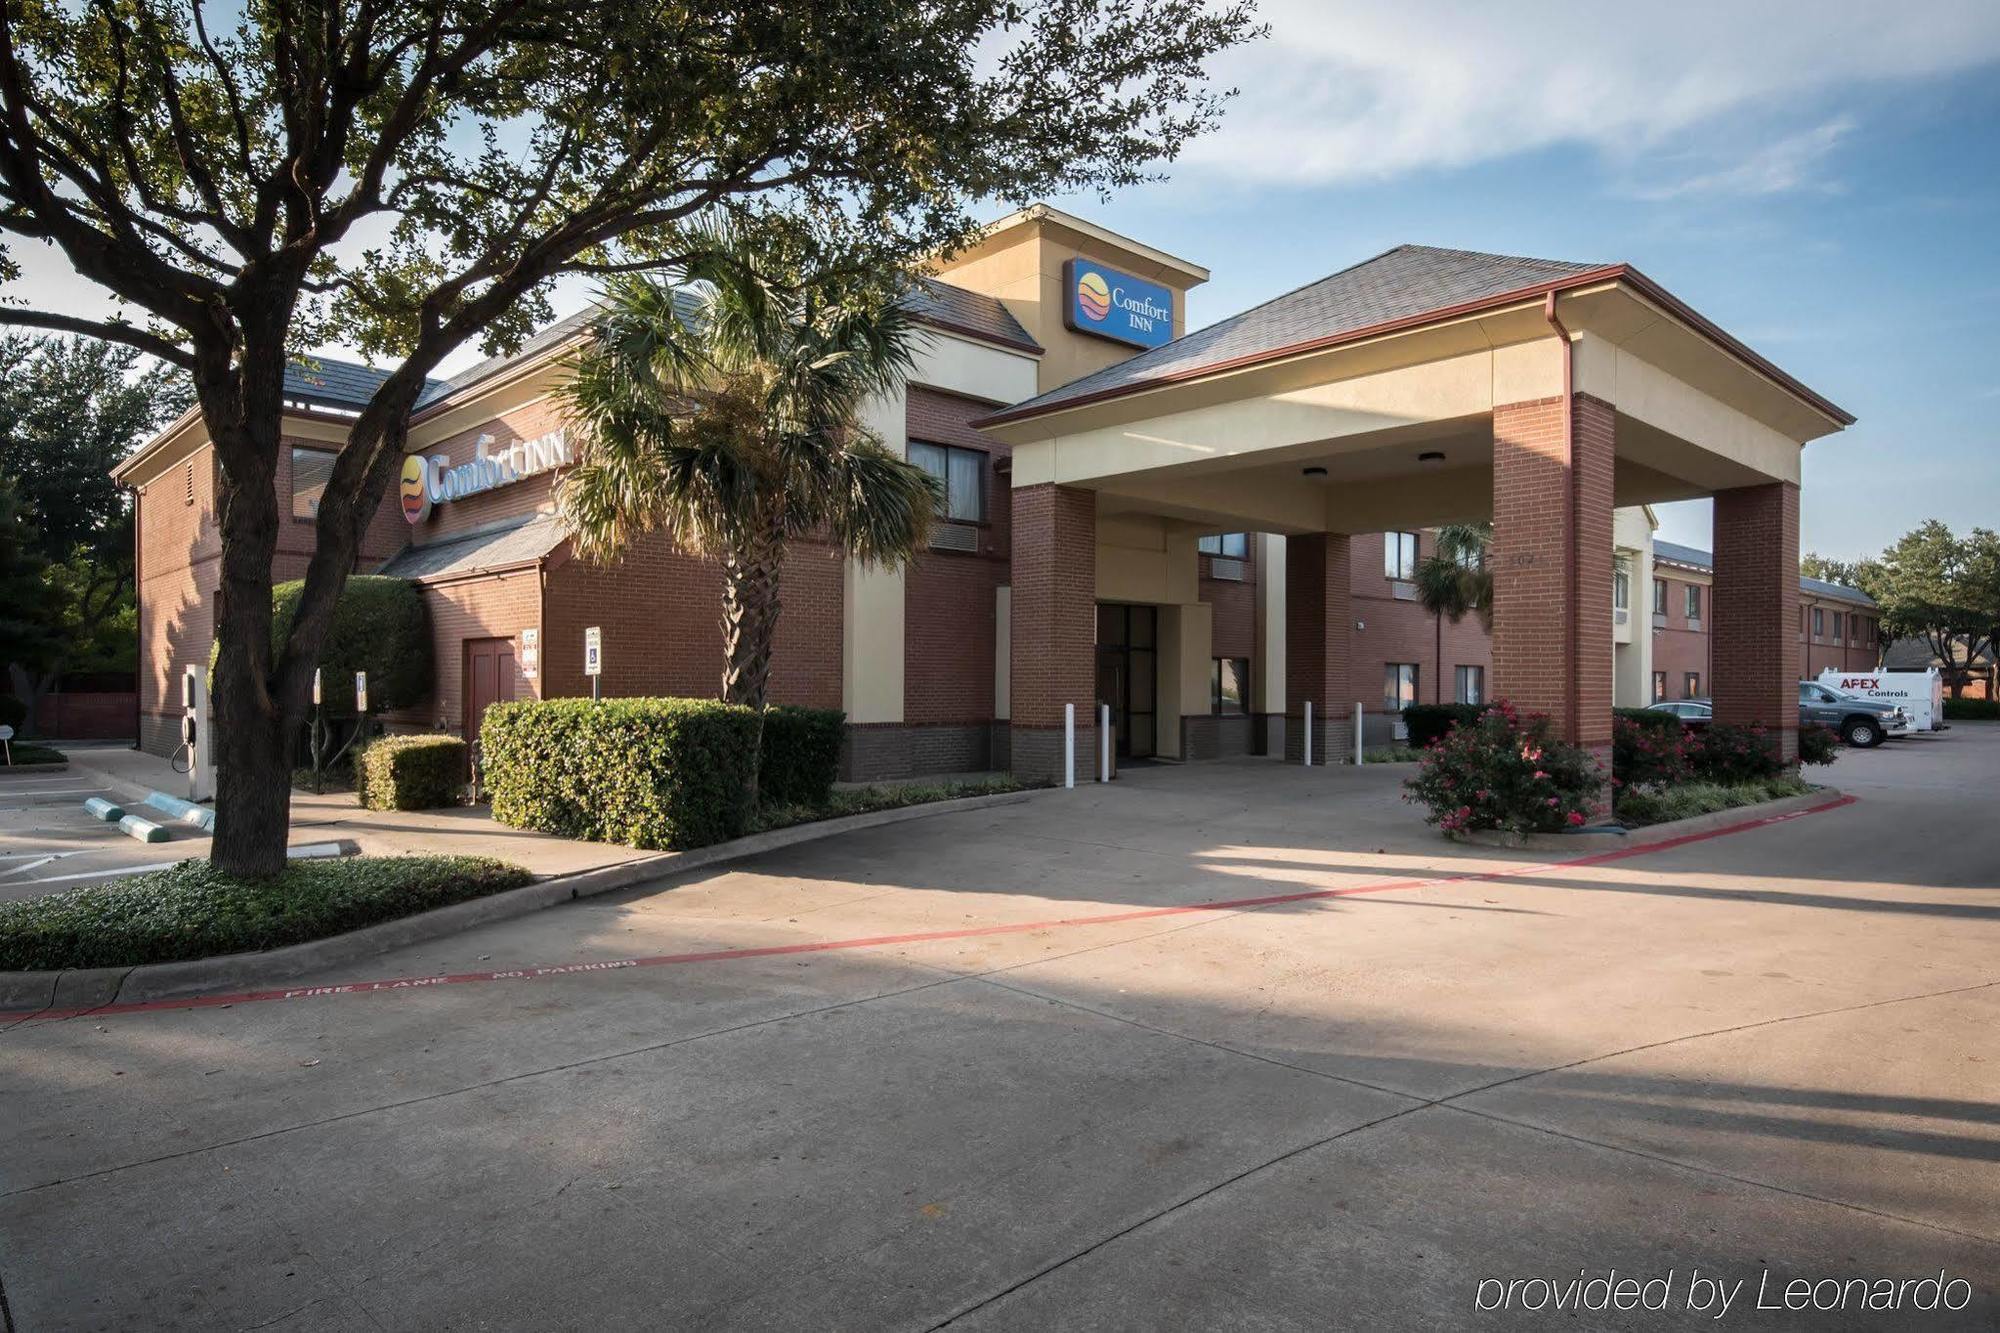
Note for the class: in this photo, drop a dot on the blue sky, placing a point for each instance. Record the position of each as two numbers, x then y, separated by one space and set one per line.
1826 188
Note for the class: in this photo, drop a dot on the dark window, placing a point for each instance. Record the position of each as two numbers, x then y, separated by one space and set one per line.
1399 555
1659 686
1229 685
311 470
1659 597
1399 685
1819 622
1839 627
1692 602
963 472
1691 685
1469 687
1234 545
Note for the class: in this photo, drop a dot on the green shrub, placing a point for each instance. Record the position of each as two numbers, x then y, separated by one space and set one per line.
1958 710
12 711
24 753
1637 808
1730 754
671 773
410 772
1818 744
1645 754
1429 722
381 626
1506 771
196 911
801 755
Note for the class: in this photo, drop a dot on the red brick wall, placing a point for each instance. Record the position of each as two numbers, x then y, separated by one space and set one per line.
661 613
93 716
477 511
1756 608
1821 652
1397 629
949 597
1552 563
1319 622
1054 611
1234 604
498 606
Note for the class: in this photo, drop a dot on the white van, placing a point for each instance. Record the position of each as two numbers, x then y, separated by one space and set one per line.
1921 693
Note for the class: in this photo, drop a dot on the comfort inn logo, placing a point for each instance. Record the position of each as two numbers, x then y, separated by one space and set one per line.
435 480
1093 296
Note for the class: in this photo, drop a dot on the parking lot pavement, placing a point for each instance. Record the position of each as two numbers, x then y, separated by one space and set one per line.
48 842
1013 1069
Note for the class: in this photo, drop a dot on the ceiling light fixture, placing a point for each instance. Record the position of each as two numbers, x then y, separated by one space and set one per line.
1314 471
1431 459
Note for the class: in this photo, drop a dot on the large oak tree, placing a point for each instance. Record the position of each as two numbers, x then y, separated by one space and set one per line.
410 176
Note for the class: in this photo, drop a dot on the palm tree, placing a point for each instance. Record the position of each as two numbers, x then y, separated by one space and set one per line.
1454 580
726 414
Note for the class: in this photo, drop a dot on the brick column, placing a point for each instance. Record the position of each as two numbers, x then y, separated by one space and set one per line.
1053 657
1319 645
1552 566
1753 656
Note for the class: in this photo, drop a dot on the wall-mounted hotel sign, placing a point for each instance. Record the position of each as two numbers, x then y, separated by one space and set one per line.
434 480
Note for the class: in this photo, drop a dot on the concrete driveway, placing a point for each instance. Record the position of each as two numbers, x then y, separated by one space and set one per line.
975 1071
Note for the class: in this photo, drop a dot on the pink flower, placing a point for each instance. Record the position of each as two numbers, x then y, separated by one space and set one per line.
1576 819
1540 776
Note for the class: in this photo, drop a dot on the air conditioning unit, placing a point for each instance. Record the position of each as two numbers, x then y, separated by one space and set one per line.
955 537
1403 592
1619 615
1223 567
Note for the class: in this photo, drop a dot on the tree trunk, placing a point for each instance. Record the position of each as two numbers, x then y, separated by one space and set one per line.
1437 663
750 607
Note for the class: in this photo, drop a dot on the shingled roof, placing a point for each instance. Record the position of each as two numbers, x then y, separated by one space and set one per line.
1403 283
985 317
325 381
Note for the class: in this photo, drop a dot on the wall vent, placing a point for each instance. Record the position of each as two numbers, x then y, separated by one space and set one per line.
1403 591
1223 567
955 537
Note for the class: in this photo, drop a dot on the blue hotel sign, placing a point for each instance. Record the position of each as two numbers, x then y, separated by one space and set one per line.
1105 303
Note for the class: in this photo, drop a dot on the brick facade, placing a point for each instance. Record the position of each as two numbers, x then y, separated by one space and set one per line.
1053 651
1756 608
1319 644
1392 627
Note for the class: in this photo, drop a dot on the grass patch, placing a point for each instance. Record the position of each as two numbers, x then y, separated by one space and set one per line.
1392 754
1638 807
195 911
864 800
338 778
27 752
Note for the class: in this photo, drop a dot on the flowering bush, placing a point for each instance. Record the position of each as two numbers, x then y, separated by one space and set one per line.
1645 755
1505 771
1731 754
1818 744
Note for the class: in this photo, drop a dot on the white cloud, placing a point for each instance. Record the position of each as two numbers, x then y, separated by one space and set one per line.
1348 90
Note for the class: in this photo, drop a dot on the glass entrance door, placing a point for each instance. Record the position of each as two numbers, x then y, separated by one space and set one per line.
1128 673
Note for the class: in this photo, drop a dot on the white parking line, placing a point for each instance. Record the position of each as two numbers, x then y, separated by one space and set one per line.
51 791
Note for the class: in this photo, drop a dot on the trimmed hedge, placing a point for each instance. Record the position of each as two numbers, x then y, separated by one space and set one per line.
381 626
800 756
1431 722
653 773
1818 744
1667 724
1971 710
410 772
1730 755
26 753
195 911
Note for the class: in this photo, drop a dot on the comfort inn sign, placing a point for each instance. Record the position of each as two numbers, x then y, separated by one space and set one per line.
434 480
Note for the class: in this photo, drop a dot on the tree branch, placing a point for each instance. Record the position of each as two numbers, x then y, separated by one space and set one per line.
109 330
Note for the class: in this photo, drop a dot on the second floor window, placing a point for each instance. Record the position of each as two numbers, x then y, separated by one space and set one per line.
1234 545
311 470
1692 603
1621 589
1819 622
963 472
1659 597
1399 555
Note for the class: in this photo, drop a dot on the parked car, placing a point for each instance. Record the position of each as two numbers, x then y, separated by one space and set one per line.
1862 723
1695 714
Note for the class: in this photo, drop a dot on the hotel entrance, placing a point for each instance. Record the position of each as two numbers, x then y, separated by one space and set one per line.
1128 674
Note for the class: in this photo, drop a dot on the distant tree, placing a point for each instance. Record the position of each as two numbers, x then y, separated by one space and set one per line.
412 176
29 632
1942 591
1453 581
1847 573
70 409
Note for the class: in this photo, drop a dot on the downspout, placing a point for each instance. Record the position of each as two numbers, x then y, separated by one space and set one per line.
1571 507
138 615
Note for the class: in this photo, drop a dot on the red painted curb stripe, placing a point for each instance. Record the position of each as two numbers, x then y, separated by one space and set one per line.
920 937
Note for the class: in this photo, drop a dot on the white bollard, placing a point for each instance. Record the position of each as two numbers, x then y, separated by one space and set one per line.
1104 742
1309 733
1069 745
1358 760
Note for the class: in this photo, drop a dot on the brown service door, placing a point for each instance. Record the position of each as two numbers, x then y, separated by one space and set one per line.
489 679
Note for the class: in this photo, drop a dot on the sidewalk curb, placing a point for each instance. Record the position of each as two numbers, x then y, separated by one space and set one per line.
1652 833
25 771
90 987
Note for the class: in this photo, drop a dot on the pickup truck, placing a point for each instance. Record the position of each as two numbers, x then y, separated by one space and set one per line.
1862 723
